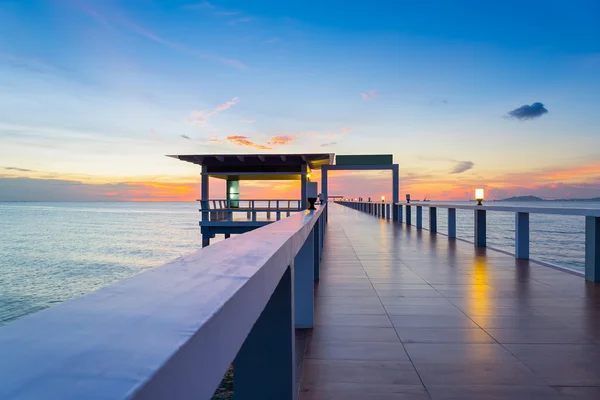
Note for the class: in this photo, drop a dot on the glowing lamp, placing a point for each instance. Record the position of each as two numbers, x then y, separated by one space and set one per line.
479 196
382 198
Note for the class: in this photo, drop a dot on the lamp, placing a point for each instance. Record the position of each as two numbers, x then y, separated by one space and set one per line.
407 197
479 196
382 199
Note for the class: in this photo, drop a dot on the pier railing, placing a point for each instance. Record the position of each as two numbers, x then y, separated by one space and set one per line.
171 332
228 210
403 212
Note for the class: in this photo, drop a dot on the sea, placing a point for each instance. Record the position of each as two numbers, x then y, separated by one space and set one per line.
52 252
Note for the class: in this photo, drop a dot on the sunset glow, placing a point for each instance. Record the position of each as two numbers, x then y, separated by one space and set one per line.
96 93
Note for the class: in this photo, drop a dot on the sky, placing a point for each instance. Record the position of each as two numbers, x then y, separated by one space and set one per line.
464 94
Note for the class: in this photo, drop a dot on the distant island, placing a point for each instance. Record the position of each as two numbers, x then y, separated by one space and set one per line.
535 198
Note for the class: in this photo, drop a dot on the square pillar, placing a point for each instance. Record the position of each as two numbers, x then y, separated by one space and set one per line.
419 217
432 219
304 284
408 215
317 248
265 365
303 172
522 235
480 228
400 213
452 222
592 249
395 191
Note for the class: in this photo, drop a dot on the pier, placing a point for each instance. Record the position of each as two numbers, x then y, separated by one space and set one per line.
389 309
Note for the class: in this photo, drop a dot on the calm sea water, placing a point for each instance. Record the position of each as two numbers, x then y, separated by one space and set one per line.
52 252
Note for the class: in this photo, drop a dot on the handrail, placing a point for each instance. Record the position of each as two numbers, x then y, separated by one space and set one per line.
522 237
172 331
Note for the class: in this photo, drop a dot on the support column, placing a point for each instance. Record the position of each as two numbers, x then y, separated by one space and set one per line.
388 212
419 217
383 211
304 284
204 206
395 191
265 365
317 249
303 173
452 222
433 219
408 215
324 188
592 249
522 235
400 213
480 228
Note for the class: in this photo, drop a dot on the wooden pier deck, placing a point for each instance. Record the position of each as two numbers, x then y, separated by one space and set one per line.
404 314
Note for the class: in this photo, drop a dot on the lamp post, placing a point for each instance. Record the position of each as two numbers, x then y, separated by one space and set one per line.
407 197
479 196
382 199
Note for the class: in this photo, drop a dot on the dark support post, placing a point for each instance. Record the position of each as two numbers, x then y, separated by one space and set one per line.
419 217
433 219
408 215
452 222
317 248
400 213
522 235
204 205
592 249
304 284
227 235
480 228
265 365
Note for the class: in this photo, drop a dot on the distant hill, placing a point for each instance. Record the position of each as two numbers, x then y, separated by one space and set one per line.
535 198
523 198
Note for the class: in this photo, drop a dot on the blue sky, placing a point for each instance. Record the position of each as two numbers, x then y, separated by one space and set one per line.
99 91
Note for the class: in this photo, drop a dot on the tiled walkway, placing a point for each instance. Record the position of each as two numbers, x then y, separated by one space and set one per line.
403 314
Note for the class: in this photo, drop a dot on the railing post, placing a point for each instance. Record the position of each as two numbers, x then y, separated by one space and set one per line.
400 213
522 235
317 249
432 219
388 212
452 222
265 365
383 211
408 215
592 249
480 228
304 284
419 217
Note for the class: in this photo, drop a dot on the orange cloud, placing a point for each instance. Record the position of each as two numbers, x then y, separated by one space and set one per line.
245 141
280 140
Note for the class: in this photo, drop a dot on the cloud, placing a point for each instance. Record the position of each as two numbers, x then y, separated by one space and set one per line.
186 137
196 6
438 101
200 117
245 141
241 20
526 112
280 140
462 166
328 144
248 121
369 95
119 21
18 169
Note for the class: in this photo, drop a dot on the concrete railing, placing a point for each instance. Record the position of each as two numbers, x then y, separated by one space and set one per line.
402 212
173 331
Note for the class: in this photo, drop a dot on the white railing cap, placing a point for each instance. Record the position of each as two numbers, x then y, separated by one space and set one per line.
165 333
